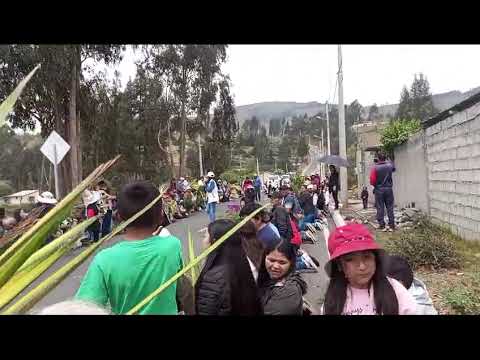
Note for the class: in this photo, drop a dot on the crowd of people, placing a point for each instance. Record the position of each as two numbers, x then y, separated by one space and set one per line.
256 271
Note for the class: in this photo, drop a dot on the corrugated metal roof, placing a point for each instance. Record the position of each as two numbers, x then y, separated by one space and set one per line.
22 193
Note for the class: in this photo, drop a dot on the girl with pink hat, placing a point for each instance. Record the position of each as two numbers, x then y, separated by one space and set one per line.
358 281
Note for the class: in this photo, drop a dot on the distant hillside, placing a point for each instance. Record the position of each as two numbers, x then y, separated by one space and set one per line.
267 110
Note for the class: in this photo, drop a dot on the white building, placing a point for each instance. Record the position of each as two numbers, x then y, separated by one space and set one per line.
20 198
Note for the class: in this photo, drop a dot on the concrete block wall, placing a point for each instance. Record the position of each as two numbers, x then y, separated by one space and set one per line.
453 166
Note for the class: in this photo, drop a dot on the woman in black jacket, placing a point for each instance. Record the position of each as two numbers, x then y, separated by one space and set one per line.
281 288
226 285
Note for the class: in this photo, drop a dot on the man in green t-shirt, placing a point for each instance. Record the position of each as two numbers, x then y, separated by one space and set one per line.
126 273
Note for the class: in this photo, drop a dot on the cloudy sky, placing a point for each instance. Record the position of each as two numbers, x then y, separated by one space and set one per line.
372 73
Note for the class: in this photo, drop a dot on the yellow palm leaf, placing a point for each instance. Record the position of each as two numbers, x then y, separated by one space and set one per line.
7 105
191 255
30 299
32 240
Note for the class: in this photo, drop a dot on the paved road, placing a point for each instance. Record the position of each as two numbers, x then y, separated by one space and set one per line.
317 282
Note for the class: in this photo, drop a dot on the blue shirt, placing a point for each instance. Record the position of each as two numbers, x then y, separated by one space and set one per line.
268 236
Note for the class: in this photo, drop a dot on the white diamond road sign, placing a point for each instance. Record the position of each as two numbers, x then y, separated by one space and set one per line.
48 147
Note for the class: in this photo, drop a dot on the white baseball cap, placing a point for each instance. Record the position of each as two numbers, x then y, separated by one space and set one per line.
310 187
211 174
46 198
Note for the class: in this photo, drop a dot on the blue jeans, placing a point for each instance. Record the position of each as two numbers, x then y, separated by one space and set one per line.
211 209
384 199
307 219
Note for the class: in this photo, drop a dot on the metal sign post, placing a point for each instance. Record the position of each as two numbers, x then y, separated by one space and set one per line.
55 171
55 149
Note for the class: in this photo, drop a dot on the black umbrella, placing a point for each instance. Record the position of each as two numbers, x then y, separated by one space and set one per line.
334 160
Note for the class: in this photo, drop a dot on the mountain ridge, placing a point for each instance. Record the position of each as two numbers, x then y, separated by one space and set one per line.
267 110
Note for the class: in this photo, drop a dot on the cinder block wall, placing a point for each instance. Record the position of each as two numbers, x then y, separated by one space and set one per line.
453 159
445 180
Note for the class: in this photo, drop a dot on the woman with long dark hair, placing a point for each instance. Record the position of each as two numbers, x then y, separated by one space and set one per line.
281 288
358 282
226 285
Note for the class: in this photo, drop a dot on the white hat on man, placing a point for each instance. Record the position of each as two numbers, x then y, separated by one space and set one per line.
46 198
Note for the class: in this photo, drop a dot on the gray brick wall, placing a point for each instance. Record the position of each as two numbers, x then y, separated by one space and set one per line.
453 162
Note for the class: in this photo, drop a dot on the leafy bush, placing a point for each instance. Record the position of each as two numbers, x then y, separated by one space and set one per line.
462 300
427 245
398 132
297 182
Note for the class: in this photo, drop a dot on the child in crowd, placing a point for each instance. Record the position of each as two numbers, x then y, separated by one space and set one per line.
126 273
359 284
399 269
365 197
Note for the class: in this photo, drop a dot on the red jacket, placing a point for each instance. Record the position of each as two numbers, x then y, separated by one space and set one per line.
297 236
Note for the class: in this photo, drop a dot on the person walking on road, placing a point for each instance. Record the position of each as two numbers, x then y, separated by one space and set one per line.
226 285
334 184
212 196
382 181
365 197
358 281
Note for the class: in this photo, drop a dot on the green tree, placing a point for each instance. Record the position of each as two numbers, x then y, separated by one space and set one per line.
52 96
373 112
191 73
284 153
405 105
416 103
302 148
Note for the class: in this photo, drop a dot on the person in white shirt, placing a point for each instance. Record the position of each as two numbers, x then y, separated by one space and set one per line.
212 196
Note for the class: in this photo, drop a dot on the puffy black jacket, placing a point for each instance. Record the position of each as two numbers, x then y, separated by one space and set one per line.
212 293
281 219
284 298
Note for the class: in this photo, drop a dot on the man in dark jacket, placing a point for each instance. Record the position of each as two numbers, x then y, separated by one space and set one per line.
381 179
280 217
334 184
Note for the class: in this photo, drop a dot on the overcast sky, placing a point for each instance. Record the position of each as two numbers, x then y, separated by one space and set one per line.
371 73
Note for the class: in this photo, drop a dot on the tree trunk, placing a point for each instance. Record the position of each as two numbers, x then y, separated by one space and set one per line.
72 123
63 170
182 141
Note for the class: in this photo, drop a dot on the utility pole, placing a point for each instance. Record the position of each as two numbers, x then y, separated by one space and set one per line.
328 129
322 153
258 169
341 132
200 155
